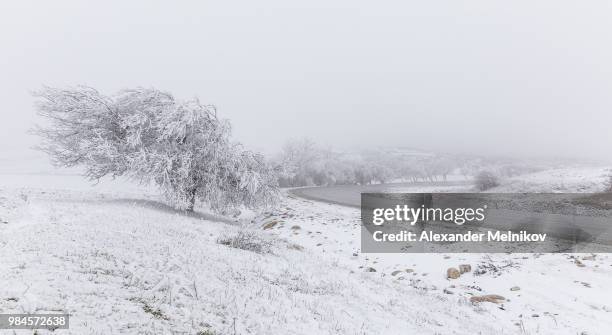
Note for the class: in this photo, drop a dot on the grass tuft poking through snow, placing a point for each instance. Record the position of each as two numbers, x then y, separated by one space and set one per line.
247 240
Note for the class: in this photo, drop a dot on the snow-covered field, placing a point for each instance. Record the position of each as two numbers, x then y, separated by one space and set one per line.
121 262
572 180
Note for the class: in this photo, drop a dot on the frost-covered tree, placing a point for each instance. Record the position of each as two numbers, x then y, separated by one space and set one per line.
149 136
485 180
608 185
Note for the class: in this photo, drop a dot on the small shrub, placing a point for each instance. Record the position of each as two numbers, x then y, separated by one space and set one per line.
609 183
247 240
485 180
293 246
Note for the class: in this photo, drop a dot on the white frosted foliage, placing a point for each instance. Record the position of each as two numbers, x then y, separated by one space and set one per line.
150 136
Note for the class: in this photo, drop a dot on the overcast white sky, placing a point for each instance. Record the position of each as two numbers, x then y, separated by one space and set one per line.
499 77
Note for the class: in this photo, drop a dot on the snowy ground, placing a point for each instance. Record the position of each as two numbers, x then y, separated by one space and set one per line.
122 262
574 180
557 293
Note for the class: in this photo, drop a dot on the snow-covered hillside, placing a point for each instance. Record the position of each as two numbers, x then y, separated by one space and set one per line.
137 267
121 262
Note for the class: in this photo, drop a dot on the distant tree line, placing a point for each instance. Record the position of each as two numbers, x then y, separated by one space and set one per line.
303 162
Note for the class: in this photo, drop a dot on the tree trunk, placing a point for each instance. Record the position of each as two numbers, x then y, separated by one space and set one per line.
192 198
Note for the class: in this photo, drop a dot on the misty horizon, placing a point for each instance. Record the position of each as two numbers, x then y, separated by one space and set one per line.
476 78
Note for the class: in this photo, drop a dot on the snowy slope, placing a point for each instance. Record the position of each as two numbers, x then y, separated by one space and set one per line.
121 262
137 267
557 293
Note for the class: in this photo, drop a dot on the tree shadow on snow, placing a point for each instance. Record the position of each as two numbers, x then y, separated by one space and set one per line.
162 207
